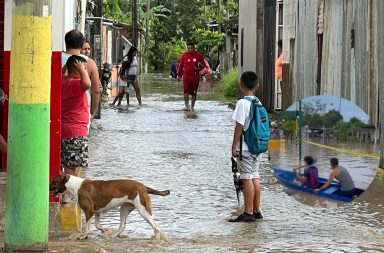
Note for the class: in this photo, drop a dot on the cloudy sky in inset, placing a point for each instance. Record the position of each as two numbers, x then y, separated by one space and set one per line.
346 107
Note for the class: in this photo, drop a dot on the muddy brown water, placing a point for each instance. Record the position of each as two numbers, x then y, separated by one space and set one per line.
189 154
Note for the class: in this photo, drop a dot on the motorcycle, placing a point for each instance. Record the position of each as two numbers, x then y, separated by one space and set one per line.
216 75
106 78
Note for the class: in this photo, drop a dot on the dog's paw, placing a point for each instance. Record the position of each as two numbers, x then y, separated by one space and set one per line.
156 237
116 235
82 236
163 237
110 232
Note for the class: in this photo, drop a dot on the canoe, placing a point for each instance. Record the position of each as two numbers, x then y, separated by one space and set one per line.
286 179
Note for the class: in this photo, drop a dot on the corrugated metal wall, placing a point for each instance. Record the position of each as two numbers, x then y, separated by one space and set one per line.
352 54
348 67
306 48
350 49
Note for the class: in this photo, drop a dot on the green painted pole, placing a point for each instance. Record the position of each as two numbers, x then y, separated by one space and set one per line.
27 204
300 139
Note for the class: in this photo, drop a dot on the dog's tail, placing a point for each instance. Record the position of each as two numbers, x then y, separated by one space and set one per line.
160 193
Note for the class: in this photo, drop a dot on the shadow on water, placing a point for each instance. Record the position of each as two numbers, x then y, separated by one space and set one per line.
164 148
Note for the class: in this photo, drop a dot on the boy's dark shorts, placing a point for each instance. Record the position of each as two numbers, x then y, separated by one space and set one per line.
74 152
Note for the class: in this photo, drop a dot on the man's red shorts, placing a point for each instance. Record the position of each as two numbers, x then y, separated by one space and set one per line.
191 85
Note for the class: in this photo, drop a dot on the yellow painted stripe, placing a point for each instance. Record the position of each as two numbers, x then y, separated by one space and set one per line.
30 76
343 150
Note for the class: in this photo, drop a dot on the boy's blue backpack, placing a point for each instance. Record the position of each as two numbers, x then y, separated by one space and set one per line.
257 135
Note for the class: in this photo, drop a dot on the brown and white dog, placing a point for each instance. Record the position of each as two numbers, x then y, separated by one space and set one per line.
99 196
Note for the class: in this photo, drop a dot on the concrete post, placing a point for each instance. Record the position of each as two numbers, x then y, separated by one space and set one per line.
27 206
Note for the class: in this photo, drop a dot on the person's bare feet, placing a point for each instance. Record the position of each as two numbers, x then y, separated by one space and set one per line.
186 108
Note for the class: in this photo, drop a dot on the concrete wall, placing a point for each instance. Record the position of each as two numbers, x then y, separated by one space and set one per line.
379 7
247 31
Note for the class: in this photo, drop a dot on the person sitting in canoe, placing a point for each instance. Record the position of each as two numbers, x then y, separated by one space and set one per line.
347 186
310 178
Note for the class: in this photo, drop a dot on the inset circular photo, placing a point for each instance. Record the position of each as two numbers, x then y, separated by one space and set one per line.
324 151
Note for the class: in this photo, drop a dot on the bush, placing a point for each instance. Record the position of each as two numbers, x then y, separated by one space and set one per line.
229 83
166 51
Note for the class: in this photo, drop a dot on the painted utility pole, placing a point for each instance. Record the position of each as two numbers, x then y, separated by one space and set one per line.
27 206
83 11
135 33
147 35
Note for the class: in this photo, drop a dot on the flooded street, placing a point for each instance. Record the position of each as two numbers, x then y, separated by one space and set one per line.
189 154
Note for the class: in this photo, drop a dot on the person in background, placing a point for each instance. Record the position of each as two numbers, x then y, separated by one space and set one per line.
86 49
74 41
207 71
191 62
310 178
174 68
3 143
128 73
279 61
347 186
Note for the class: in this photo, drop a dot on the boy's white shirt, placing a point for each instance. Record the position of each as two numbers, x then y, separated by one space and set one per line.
241 115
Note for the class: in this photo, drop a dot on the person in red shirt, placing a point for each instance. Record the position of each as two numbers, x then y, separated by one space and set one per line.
279 62
75 116
191 63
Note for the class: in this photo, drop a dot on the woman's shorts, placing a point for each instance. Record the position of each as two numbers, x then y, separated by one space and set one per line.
74 152
131 80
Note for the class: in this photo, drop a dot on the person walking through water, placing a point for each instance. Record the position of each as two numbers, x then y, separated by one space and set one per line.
191 62
128 73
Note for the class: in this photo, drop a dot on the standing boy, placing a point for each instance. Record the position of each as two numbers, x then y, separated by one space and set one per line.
248 164
75 116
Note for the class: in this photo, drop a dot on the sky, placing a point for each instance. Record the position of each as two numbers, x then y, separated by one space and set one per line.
347 108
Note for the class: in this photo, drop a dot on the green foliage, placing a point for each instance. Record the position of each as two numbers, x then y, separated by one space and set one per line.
173 22
347 131
166 52
207 41
118 10
229 83
289 126
331 117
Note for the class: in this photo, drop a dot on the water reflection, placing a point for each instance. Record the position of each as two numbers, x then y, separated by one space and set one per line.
161 147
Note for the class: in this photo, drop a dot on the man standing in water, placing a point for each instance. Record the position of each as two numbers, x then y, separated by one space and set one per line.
191 63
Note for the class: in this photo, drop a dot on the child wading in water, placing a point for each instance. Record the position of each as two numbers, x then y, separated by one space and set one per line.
248 164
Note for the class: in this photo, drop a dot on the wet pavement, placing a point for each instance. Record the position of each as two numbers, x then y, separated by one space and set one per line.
189 154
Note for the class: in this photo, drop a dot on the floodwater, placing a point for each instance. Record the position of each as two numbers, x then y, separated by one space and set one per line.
189 154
